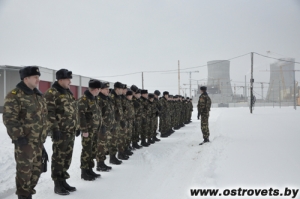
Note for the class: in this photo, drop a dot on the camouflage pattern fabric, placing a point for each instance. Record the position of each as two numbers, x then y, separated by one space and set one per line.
204 105
130 121
145 118
164 116
117 102
24 115
138 111
63 117
108 121
90 121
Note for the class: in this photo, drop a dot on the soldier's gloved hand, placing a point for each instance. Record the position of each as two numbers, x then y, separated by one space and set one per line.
56 135
103 129
122 124
85 135
77 132
21 141
198 116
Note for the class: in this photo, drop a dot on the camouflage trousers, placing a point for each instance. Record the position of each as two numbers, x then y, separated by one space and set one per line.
136 130
28 165
153 127
164 124
62 156
89 149
145 131
129 133
112 140
204 125
102 146
122 135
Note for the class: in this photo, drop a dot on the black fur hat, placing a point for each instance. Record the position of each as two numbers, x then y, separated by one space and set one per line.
29 71
203 88
124 86
118 85
165 93
138 91
134 88
157 92
110 90
105 85
94 83
128 93
63 74
144 91
150 95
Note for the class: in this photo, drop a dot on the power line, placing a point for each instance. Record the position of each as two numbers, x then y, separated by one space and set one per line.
174 69
277 58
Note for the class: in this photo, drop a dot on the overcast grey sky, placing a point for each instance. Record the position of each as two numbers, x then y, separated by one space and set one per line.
105 38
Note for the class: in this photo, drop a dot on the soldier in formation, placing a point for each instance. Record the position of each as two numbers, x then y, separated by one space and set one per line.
111 122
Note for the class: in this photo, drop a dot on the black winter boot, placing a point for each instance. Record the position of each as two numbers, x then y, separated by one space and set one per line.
152 141
114 160
144 143
67 186
156 139
59 189
85 174
123 156
128 152
92 173
101 166
136 146
22 197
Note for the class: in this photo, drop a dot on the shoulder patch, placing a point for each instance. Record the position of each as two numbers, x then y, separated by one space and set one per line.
14 92
62 96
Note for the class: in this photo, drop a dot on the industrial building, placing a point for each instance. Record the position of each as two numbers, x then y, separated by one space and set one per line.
282 81
218 81
9 78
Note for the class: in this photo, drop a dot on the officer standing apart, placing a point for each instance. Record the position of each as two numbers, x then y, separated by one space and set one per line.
24 116
90 121
63 116
204 105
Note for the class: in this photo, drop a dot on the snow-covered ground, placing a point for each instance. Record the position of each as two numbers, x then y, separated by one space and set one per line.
248 151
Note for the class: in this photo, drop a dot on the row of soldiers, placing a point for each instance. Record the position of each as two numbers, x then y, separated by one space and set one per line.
110 122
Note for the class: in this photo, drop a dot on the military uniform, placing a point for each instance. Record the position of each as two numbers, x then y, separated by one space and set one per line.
137 128
204 105
90 121
164 116
145 120
107 138
24 115
117 102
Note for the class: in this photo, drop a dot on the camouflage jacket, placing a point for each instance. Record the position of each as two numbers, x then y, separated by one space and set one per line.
25 114
204 103
107 109
138 109
157 104
190 106
164 106
117 102
145 107
125 106
89 113
130 110
62 109
152 109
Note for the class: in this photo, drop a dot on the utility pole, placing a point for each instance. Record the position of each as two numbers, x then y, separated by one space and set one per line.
143 80
178 77
251 85
295 107
262 91
279 95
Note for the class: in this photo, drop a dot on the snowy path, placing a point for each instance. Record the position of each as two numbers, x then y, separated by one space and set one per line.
260 151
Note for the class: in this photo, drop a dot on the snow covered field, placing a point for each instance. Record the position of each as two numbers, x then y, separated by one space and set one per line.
247 151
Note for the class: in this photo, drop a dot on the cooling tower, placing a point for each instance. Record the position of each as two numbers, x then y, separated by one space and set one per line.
218 82
282 77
